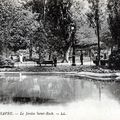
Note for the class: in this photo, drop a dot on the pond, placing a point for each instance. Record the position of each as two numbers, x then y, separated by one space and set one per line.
54 88
53 96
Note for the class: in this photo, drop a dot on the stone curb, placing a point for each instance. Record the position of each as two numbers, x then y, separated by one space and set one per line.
100 76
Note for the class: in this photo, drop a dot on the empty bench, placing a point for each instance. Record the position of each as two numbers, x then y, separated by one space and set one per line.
46 62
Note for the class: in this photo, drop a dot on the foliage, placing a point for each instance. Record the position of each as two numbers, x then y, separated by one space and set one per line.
55 19
95 17
96 12
114 20
22 31
114 60
5 14
114 27
106 36
6 62
58 15
10 16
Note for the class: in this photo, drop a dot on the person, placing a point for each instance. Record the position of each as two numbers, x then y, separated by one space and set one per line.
81 57
11 57
55 61
105 56
21 58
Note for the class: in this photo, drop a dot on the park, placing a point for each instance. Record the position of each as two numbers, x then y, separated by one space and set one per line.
31 33
60 53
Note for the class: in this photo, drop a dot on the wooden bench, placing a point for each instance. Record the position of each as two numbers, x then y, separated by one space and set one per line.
46 62
104 62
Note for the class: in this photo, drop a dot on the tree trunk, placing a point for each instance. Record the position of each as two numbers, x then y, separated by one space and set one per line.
98 36
1 48
66 56
39 54
49 56
111 48
65 59
6 50
30 52
118 42
98 31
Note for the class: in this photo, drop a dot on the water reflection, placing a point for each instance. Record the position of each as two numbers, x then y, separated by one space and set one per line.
55 88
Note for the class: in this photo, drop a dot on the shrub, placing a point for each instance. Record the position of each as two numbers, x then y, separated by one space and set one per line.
6 62
114 60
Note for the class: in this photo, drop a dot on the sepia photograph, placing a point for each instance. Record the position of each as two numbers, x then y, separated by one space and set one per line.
59 59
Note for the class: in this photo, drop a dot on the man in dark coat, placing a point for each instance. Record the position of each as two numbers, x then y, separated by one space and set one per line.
81 57
54 58
55 61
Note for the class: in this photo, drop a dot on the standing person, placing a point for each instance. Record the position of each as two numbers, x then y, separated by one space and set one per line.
81 57
21 58
11 57
55 61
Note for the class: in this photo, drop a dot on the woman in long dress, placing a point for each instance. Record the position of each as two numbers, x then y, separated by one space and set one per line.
21 58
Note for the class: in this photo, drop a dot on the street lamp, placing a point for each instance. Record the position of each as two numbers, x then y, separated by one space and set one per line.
73 43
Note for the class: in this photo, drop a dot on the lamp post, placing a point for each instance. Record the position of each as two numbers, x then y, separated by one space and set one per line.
73 44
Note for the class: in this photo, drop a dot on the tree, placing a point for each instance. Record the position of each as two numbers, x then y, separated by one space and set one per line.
23 31
95 16
59 20
36 7
13 27
114 20
18 27
106 36
8 16
53 15
83 31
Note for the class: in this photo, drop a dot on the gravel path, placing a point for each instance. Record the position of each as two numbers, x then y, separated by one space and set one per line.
60 68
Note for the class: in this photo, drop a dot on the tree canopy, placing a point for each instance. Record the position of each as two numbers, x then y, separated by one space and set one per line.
15 26
45 25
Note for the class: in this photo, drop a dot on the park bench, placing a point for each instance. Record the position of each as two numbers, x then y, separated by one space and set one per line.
46 62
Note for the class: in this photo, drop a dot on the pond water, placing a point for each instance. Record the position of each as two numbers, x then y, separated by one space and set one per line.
54 88
57 96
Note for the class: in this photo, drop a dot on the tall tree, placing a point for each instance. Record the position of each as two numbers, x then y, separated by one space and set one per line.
10 15
59 19
39 39
55 21
114 20
106 36
17 26
95 16
7 17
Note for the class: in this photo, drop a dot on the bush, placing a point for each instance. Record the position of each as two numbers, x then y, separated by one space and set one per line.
114 60
6 62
